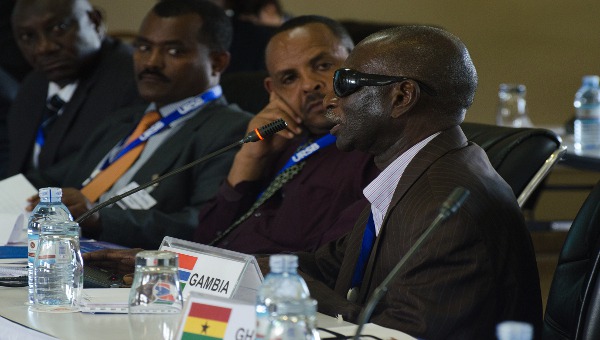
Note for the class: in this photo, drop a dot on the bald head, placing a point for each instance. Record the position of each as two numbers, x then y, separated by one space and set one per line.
430 55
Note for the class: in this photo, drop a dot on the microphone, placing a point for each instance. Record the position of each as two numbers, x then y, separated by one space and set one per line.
448 208
253 136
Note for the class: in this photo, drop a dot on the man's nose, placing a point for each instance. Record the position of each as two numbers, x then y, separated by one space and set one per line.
45 45
155 59
330 100
313 82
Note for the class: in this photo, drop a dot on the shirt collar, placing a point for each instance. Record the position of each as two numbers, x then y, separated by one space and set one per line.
381 190
168 109
65 93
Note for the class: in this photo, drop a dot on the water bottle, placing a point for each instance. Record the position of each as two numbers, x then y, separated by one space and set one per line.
512 107
586 129
292 320
50 207
514 330
58 267
282 283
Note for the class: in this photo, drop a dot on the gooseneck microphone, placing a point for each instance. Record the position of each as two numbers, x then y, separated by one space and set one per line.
448 208
253 136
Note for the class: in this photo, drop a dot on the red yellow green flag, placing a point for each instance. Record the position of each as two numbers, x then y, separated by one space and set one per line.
206 322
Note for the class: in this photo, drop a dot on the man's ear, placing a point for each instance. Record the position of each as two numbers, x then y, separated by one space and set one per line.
97 18
404 96
268 83
220 61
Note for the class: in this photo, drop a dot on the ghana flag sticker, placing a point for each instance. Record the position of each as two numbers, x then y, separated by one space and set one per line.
206 322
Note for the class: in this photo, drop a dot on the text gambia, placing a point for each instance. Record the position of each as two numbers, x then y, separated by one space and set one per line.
209 283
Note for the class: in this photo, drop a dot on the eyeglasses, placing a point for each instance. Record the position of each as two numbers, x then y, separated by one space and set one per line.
347 81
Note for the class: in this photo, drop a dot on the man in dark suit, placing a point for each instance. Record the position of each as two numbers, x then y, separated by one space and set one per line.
180 53
401 96
78 71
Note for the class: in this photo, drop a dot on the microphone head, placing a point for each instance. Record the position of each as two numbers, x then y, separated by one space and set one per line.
265 131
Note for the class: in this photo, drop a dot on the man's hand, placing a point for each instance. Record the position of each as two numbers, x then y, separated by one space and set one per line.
253 158
121 261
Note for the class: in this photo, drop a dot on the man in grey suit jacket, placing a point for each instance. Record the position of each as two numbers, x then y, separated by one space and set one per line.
181 51
65 42
401 96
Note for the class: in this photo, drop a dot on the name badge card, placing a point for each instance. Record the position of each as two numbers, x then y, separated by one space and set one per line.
215 271
209 317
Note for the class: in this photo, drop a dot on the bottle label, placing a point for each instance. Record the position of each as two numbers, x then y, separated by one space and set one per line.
57 253
588 111
32 243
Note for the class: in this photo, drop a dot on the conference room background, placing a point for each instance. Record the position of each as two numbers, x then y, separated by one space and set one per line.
546 45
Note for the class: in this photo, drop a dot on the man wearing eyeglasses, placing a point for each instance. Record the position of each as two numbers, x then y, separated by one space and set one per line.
294 191
401 96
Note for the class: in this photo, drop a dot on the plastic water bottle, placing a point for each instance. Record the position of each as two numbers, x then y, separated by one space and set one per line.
514 330
58 267
512 106
293 319
586 130
49 208
282 283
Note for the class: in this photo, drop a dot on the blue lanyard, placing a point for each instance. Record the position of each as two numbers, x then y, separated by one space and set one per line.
308 151
188 106
365 250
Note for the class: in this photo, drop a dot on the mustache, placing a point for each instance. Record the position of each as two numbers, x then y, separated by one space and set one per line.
154 74
330 116
313 98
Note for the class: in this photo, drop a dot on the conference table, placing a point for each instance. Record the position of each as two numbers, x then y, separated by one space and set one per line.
580 159
18 322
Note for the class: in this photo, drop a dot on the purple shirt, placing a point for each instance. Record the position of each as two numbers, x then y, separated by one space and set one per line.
320 204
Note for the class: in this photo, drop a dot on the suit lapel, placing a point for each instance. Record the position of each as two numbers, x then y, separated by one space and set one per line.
445 142
30 117
168 152
61 127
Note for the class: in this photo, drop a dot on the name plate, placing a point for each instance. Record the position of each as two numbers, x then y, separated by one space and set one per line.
214 271
209 317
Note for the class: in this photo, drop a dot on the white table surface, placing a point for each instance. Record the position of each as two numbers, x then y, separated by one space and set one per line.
18 323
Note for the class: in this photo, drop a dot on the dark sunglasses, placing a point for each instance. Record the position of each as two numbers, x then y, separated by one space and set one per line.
347 81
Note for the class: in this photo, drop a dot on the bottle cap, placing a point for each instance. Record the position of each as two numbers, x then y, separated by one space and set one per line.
281 263
156 258
591 80
50 194
514 88
514 330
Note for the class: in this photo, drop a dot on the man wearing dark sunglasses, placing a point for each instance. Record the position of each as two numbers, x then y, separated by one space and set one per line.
295 191
401 96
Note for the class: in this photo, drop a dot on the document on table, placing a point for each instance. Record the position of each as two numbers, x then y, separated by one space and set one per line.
105 300
14 192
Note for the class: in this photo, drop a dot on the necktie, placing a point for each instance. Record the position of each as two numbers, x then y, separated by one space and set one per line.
365 251
284 177
107 177
53 106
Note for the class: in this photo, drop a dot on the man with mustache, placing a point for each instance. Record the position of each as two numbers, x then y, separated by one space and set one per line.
180 53
321 193
401 96
80 78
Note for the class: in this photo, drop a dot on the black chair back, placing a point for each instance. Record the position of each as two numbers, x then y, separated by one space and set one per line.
572 308
516 153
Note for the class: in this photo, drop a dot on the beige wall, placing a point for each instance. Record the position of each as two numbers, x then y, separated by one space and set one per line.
537 42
